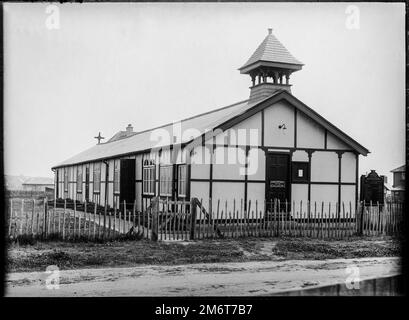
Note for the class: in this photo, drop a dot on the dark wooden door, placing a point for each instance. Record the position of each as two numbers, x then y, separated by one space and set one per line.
127 182
278 177
87 183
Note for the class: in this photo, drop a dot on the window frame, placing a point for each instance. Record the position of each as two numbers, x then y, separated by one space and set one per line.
96 173
168 182
148 177
179 180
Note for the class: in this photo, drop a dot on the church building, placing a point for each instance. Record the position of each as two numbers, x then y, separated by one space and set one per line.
270 146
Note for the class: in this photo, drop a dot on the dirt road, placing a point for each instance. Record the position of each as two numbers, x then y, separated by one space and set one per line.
210 279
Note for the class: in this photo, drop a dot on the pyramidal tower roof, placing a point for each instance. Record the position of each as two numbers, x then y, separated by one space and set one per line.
271 50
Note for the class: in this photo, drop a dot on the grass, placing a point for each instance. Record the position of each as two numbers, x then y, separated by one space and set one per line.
135 253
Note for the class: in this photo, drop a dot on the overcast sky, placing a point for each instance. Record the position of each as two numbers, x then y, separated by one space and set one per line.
148 64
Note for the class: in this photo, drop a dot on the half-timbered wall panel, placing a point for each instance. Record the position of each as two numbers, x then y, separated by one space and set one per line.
247 132
138 167
138 198
334 143
229 163
199 190
256 194
226 191
348 167
275 116
324 166
300 155
327 194
299 195
200 163
309 133
347 197
256 169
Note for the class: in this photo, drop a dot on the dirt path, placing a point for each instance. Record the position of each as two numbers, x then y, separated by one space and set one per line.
216 279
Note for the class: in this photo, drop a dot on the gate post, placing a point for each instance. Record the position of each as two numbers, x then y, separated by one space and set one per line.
155 215
193 204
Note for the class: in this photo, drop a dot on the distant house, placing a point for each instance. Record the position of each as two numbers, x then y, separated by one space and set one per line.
38 184
398 186
13 183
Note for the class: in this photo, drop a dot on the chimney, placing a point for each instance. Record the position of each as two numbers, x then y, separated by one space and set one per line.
129 129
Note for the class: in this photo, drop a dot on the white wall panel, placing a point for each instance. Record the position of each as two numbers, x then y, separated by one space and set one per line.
348 167
300 155
256 164
309 133
229 163
327 194
299 195
324 166
199 190
200 160
138 167
226 191
347 197
335 143
256 192
275 116
247 132
138 190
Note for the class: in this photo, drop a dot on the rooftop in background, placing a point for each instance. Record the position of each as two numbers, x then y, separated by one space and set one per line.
39 181
400 169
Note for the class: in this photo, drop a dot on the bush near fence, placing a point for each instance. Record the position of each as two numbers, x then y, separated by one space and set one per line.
166 219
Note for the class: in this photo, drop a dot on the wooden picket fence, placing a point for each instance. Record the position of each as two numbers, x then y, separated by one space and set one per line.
164 219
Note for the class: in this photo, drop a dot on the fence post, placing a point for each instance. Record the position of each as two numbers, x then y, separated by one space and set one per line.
359 213
193 220
45 218
63 219
155 214
11 216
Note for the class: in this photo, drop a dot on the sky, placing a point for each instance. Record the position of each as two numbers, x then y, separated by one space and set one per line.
107 65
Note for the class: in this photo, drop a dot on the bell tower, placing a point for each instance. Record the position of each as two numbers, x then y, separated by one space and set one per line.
270 68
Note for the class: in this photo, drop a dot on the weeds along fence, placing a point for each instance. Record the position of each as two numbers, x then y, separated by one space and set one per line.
165 219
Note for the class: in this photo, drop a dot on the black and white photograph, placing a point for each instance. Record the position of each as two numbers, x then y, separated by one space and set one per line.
202 149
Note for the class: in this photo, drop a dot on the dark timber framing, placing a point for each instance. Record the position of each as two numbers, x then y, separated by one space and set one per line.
309 174
246 177
295 127
262 127
339 181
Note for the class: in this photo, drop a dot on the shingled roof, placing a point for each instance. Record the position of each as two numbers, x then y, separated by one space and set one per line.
271 50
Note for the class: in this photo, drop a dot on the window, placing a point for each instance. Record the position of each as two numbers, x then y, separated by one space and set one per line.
116 176
148 176
300 171
165 180
66 179
97 177
403 175
182 180
79 179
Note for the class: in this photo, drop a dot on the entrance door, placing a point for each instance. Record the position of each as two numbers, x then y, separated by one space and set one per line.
87 183
277 177
127 182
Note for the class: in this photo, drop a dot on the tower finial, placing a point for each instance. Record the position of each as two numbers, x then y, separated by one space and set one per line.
270 30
